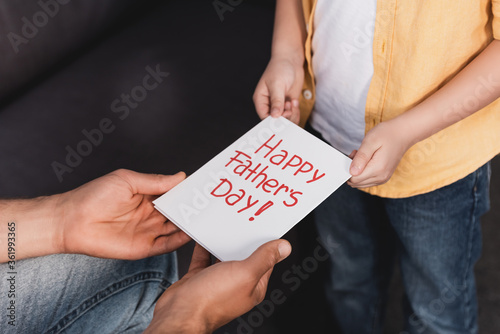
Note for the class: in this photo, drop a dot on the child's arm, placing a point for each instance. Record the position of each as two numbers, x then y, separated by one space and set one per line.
279 88
384 145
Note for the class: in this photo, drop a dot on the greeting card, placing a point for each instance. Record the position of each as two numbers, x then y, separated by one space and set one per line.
255 190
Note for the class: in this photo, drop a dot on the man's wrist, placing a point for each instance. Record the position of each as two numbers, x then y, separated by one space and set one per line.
179 320
38 230
175 325
57 223
42 220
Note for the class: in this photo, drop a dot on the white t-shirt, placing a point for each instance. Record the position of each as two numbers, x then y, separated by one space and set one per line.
343 67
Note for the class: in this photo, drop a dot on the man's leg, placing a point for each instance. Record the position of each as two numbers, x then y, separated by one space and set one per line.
440 243
361 265
81 294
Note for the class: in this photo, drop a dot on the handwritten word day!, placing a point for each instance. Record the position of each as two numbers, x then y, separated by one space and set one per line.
256 173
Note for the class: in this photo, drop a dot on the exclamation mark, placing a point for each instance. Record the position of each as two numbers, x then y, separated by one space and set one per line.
262 209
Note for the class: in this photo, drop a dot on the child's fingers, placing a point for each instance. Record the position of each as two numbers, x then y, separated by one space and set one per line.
361 175
295 117
361 158
378 170
292 111
277 97
287 114
261 100
363 185
368 175
372 176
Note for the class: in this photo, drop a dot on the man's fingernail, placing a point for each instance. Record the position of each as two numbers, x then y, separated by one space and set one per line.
295 103
285 249
275 111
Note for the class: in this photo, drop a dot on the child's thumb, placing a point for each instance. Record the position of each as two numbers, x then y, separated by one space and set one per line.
360 160
277 98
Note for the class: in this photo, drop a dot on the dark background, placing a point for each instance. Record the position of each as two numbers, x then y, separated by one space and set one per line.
65 78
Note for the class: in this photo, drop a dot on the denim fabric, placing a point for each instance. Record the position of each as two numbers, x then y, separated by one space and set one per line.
81 294
435 237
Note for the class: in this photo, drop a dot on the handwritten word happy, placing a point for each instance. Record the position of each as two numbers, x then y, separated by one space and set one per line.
295 162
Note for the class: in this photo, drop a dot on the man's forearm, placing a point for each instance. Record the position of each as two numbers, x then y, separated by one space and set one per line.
289 31
30 227
473 88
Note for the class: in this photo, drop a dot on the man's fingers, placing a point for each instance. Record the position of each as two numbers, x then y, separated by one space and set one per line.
168 243
200 260
267 255
169 228
150 184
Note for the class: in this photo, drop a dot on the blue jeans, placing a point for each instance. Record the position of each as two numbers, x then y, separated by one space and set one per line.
436 238
81 294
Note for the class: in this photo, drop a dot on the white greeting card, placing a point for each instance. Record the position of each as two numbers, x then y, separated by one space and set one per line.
256 189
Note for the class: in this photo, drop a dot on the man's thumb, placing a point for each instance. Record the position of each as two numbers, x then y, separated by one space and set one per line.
267 255
149 184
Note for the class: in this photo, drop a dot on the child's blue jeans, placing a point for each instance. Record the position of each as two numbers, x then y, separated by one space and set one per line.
81 294
436 238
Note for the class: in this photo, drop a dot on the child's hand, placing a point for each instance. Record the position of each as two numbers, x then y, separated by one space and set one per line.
277 93
379 155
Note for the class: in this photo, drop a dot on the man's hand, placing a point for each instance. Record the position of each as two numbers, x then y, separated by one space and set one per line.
379 154
208 297
277 93
113 217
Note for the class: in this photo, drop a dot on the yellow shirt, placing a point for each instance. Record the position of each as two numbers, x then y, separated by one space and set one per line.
418 46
